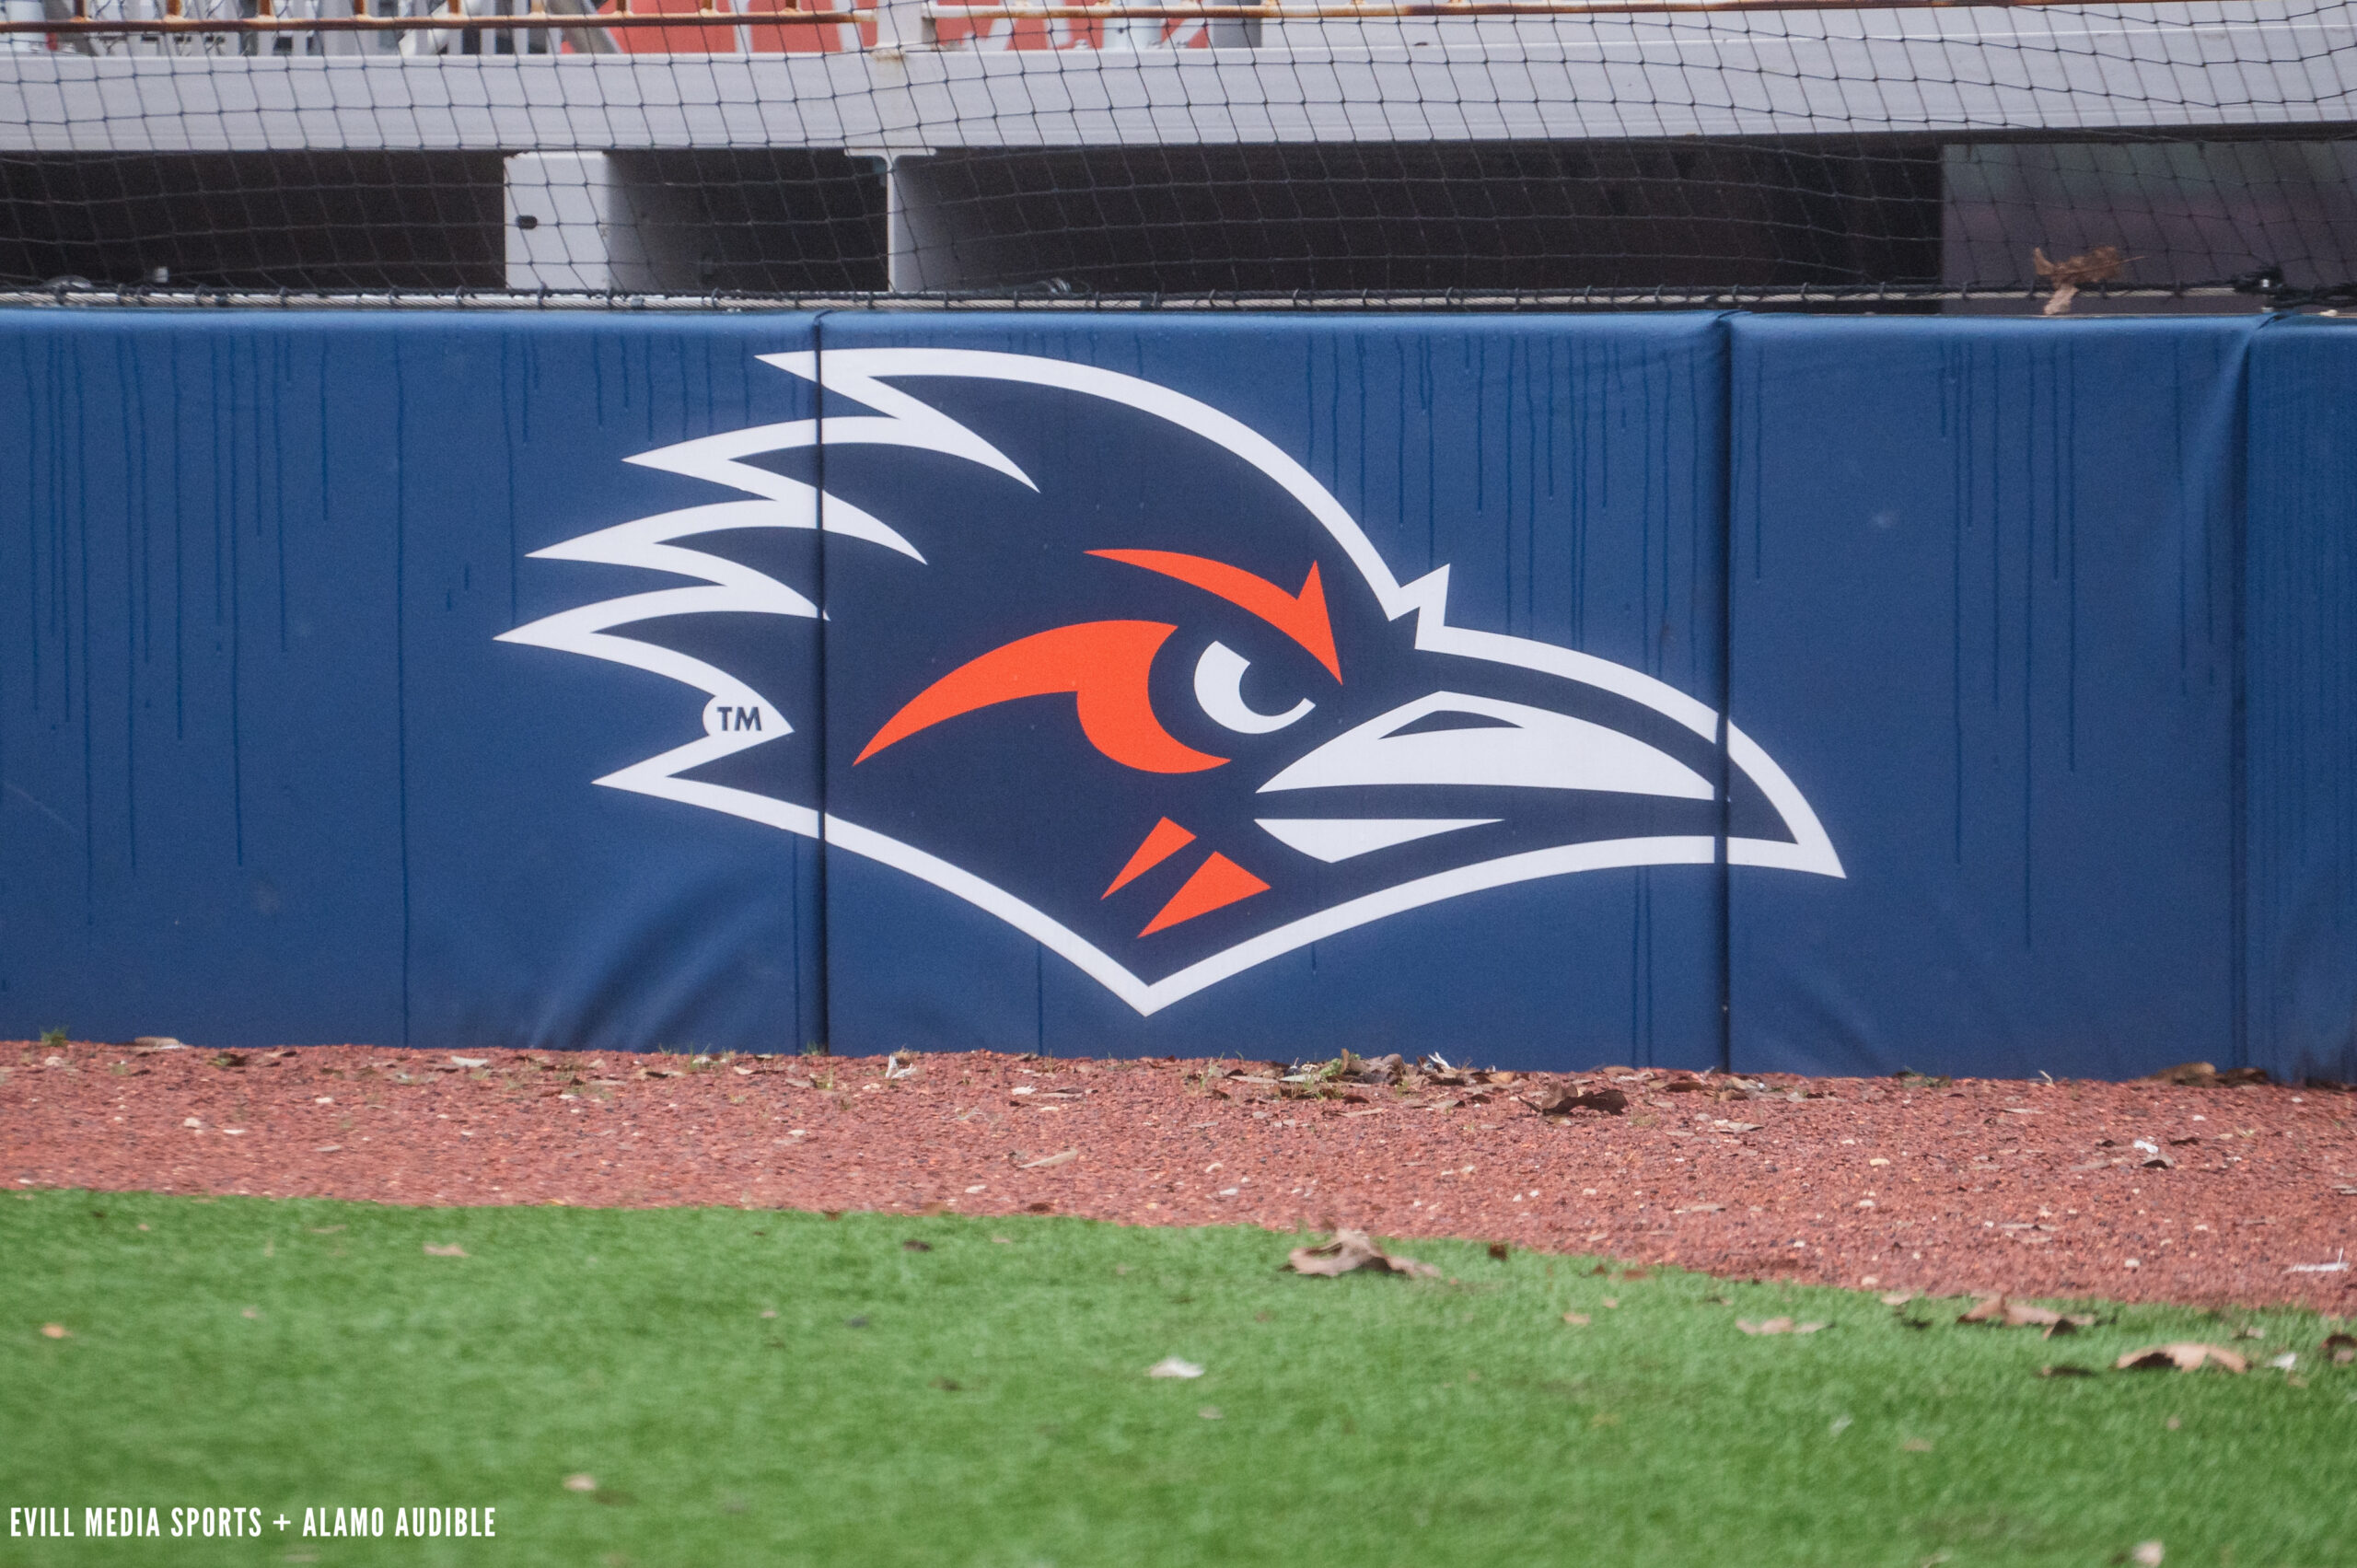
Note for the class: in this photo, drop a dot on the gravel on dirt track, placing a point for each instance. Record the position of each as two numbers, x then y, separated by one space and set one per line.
2244 1195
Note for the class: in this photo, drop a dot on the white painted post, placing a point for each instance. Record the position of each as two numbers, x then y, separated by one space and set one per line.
579 221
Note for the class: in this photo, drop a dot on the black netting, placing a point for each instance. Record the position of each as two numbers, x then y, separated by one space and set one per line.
1929 155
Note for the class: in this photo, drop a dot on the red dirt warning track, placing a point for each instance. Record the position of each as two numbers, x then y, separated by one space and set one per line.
2039 1188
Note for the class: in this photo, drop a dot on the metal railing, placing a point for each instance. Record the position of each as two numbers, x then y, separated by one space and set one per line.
171 18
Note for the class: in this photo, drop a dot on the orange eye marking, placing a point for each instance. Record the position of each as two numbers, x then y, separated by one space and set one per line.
1300 616
1103 664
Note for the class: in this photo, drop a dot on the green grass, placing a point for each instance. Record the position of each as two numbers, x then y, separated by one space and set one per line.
232 1354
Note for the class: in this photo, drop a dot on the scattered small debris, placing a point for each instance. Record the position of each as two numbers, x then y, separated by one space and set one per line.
1776 1326
471 1061
1576 1320
2186 1355
2339 1265
1349 1250
1173 1366
452 1251
1051 1161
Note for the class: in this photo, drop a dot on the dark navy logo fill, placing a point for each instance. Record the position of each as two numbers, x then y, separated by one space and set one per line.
1109 664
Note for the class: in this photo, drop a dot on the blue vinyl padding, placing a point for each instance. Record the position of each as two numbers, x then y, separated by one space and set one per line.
2050 627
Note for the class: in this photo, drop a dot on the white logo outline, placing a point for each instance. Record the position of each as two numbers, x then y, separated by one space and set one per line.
901 420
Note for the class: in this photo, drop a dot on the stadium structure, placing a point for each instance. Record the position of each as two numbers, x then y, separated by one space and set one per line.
1956 157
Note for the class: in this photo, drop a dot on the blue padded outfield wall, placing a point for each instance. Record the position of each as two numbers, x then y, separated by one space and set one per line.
1976 696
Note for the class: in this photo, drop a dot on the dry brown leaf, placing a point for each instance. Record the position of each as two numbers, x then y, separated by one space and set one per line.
2186 1075
452 1251
1353 1250
2099 266
1776 1326
2341 1349
2186 1355
1555 1102
56 1331
2065 1371
1898 1298
1576 1320
2023 1315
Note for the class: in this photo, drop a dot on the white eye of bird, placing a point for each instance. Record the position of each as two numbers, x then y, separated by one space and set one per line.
1219 687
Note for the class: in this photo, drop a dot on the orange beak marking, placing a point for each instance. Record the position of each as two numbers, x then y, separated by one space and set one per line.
1217 883
1167 840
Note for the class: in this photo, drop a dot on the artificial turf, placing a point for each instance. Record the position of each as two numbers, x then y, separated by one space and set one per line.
750 1387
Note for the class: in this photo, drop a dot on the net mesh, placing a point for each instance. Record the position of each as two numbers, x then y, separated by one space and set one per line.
1673 149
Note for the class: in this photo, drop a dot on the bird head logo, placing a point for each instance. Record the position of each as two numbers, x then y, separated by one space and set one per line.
1109 664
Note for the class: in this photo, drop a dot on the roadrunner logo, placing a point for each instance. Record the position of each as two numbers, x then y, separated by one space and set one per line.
1107 663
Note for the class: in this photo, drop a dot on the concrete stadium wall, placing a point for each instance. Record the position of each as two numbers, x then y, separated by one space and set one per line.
1187 684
